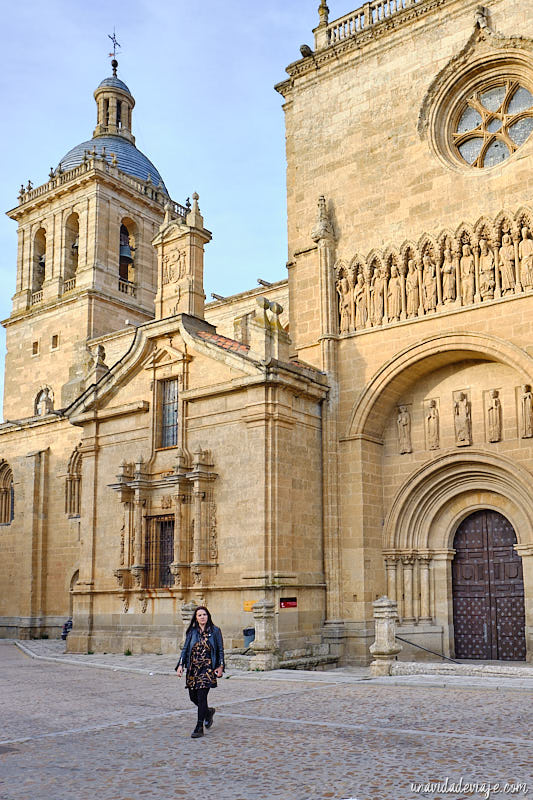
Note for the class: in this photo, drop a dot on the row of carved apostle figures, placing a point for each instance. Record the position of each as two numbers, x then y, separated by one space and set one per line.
459 273
462 420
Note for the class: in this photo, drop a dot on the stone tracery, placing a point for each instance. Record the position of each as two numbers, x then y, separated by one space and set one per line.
476 264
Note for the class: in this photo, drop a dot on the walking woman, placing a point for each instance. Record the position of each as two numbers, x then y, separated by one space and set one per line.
203 658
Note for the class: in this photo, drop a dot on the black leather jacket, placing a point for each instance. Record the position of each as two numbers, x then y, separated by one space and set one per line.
216 646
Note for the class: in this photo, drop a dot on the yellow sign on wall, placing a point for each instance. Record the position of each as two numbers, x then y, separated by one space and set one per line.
248 604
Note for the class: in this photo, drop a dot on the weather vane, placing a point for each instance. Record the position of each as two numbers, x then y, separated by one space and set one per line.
115 44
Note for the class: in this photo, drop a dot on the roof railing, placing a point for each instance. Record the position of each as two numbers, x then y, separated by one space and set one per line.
363 18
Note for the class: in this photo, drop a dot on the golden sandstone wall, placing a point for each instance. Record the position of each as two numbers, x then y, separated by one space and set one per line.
365 117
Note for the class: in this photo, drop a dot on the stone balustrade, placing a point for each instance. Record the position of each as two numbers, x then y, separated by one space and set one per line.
69 285
94 162
363 18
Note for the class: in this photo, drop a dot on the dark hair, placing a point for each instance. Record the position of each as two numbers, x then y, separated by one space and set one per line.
194 622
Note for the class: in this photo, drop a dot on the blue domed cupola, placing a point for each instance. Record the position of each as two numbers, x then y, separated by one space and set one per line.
112 138
115 104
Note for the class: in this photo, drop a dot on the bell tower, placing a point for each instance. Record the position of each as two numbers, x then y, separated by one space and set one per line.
86 266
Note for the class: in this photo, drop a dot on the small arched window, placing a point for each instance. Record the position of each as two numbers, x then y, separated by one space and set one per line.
44 402
73 484
72 241
7 494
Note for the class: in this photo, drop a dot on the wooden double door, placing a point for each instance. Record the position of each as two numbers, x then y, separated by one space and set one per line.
488 590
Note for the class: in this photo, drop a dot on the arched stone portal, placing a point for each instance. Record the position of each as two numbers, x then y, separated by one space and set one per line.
488 589
420 532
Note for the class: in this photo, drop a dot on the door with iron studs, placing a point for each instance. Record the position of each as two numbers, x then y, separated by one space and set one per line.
488 590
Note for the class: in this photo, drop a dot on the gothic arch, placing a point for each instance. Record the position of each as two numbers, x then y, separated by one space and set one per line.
431 504
384 390
7 498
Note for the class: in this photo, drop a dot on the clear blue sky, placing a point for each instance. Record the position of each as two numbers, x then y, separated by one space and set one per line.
206 114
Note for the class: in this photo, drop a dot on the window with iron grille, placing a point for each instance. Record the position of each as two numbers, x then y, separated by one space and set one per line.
169 413
159 552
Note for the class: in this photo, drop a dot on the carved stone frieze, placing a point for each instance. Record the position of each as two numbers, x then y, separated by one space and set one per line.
478 263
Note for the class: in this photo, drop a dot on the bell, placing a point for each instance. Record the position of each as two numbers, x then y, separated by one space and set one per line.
125 253
76 243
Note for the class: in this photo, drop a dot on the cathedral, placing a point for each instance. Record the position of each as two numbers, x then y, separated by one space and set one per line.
290 454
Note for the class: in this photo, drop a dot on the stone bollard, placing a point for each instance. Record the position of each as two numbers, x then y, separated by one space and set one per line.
385 647
264 645
187 610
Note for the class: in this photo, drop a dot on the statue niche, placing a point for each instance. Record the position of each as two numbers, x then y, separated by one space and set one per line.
403 423
468 273
411 289
462 414
507 264
361 306
448 277
394 295
486 271
494 416
344 292
432 426
429 283
525 253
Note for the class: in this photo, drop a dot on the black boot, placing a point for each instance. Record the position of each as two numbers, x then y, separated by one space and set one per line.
209 718
198 731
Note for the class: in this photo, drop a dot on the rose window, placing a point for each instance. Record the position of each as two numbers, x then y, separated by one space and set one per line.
493 123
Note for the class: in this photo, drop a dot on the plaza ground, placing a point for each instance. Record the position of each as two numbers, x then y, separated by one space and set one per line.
72 730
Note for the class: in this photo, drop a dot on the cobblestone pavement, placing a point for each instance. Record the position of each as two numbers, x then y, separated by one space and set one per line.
74 732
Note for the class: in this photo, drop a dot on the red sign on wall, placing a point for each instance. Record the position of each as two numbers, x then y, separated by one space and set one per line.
288 602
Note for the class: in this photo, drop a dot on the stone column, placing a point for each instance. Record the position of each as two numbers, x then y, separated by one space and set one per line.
425 606
408 563
385 647
390 566
264 645
443 601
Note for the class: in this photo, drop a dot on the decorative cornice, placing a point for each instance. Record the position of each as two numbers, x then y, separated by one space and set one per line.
355 42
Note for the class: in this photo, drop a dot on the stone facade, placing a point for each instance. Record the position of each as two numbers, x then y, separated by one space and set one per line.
305 457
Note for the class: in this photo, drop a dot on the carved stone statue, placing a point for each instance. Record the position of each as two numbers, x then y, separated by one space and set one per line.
468 275
448 277
99 356
486 271
507 264
378 296
361 307
343 290
494 414
404 429
411 289
526 407
394 295
525 252
429 283
44 403
433 425
463 420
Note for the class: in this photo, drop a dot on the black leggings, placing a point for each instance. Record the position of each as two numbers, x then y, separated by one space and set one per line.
199 698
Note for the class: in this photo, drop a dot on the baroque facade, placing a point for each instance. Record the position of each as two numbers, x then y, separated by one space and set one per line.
364 428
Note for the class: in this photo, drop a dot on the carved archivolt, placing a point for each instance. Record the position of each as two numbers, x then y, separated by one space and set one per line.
377 399
475 264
